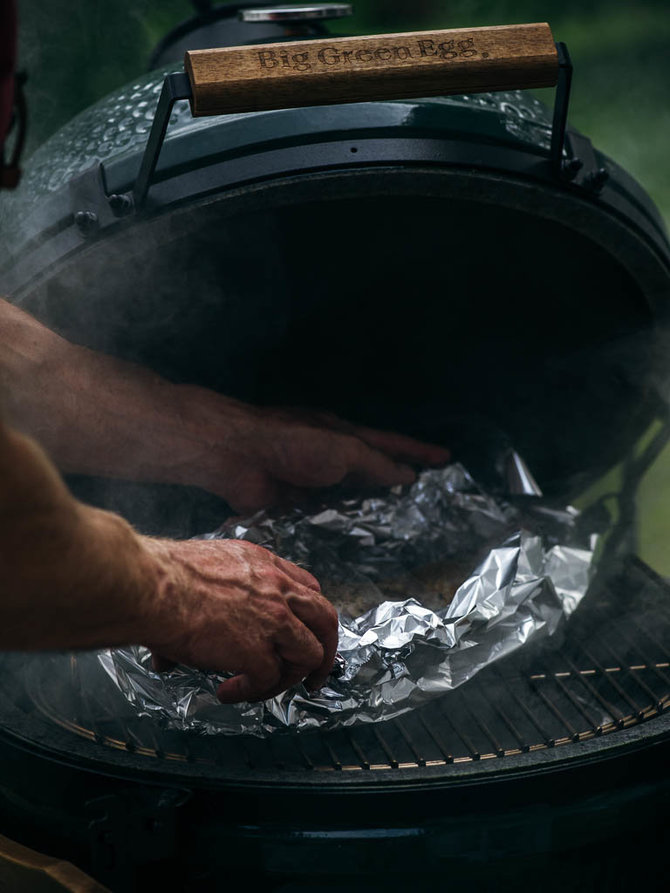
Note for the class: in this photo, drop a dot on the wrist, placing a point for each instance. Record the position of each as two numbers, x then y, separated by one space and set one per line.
215 434
163 614
119 584
133 424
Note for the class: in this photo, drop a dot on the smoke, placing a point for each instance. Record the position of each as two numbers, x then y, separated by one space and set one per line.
245 304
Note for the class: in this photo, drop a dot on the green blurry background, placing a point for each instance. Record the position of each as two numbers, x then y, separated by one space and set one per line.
76 51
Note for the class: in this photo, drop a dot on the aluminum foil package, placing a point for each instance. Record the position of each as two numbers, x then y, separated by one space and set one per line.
535 570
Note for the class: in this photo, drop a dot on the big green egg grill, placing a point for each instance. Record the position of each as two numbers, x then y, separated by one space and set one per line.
463 266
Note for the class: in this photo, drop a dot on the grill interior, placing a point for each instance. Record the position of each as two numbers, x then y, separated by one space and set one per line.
608 669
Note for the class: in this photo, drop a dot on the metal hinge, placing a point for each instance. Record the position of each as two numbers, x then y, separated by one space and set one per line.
571 155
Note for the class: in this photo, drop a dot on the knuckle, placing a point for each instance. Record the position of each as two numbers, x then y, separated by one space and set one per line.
328 609
250 550
354 450
279 582
280 566
279 613
312 581
272 572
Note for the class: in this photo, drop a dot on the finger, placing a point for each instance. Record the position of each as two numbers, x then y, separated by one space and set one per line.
297 574
298 652
370 466
297 645
319 616
327 420
398 446
255 683
246 691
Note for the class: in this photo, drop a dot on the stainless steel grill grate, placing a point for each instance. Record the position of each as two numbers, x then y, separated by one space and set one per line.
610 670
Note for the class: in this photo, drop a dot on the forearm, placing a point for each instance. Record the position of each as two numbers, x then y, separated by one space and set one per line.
75 577
96 414
70 576
99 415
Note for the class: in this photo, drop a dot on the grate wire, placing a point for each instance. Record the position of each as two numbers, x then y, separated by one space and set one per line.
609 671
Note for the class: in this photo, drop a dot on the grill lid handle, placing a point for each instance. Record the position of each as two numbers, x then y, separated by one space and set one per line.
392 66
358 69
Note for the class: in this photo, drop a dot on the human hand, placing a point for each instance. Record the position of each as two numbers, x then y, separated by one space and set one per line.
228 605
79 577
100 415
259 457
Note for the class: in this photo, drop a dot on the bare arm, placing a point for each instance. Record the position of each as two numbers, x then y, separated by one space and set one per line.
77 577
96 414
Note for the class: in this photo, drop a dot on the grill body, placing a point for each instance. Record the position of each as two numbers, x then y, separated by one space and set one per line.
552 759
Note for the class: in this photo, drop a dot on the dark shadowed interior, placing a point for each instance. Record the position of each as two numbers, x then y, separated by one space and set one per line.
462 322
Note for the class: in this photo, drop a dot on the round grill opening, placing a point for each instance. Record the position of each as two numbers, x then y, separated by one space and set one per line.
417 299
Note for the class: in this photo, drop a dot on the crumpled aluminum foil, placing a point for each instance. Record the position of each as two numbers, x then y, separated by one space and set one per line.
401 653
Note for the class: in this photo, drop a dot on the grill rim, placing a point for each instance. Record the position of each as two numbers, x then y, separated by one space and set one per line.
18 731
46 734
54 250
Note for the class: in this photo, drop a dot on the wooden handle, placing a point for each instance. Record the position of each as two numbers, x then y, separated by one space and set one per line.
357 69
25 869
